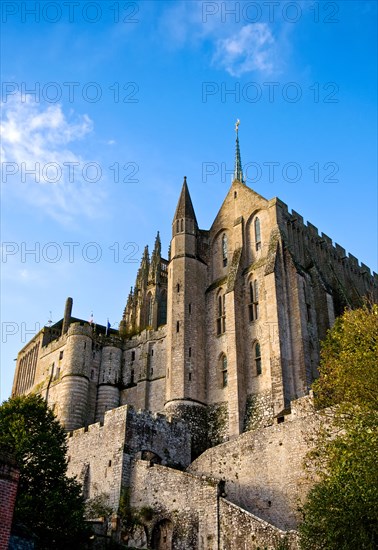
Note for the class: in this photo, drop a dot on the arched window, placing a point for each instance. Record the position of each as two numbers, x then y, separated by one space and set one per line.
224 250
253 306
257 234
221 313
150 310
258 358
223 366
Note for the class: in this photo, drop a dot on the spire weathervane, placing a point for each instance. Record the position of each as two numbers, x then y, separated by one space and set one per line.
238 173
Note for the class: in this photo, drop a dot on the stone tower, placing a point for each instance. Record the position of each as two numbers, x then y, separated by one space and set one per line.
186 380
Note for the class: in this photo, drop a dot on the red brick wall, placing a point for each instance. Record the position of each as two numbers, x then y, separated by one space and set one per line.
9 475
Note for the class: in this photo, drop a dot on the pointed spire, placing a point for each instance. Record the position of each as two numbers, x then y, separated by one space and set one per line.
238 173
157 248
184 206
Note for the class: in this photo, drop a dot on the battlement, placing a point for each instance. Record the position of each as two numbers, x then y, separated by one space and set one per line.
334 249
136 432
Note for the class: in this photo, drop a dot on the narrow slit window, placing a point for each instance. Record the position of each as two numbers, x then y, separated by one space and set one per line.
257 234
221 314
256 300
224 371
258 359
224 250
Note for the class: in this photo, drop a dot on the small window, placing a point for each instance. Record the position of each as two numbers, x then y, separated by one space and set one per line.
224 371
85 345
257 234
182 225
61 355
190 308
133 356
92 374
150 310
109 463
178 226
152 351
224 250
253 306
178 287
190 377
221 314
258 359
190 352
178 326
132 376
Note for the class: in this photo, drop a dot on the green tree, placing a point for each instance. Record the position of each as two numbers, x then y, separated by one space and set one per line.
341 511
49 504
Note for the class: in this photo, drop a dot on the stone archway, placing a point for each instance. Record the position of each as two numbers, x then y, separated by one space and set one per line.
162 535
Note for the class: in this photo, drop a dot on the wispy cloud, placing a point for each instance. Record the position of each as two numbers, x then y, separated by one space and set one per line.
236 47
250 49
38 145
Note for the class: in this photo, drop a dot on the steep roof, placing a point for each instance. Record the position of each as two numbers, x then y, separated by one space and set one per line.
184 207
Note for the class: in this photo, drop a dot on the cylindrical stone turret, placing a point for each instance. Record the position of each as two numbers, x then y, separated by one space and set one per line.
108 396
74 387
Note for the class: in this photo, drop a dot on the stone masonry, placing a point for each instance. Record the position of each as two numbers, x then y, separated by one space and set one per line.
217 348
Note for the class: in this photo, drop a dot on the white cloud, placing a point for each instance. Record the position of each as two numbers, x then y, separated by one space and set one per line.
41 138
250 49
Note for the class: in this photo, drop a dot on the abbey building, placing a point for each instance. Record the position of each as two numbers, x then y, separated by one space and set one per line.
222 337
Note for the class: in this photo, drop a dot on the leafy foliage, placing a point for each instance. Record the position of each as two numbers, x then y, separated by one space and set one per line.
348 369
98 506
341 512
48 504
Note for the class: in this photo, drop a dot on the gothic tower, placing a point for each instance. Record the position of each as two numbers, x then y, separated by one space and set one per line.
186 385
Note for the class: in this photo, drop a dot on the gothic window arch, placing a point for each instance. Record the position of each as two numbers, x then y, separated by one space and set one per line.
258 362
257 234
221 312
224 249
223 369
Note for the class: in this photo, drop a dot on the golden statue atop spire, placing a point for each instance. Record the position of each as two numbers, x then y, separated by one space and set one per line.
237 125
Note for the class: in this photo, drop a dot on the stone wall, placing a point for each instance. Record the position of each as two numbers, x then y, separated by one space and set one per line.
263 469
240 529
187 502
100 455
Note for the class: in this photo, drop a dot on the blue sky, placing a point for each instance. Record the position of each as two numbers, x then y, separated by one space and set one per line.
131 96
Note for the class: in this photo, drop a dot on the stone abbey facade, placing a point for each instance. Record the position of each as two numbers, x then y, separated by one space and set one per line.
217 342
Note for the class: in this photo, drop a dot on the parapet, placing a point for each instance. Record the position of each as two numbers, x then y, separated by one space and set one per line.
334 249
